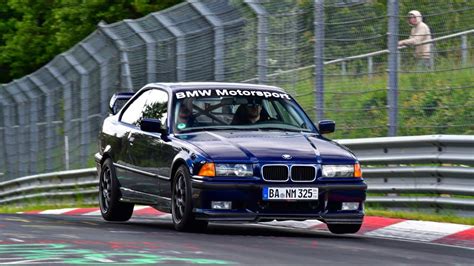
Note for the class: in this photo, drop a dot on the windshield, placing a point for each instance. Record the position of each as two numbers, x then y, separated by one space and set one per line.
242 110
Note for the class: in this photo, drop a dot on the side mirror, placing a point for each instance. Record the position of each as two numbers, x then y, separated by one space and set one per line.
152 125
118 100
326 126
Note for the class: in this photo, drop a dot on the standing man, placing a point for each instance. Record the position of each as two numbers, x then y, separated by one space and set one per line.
419 33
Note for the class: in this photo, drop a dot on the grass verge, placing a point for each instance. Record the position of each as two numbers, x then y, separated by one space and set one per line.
41 207
423 216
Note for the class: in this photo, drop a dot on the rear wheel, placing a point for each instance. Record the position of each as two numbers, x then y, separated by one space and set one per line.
181 203
109 194
344 228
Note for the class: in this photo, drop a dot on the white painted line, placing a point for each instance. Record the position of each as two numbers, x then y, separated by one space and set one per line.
93 213
294 224
58 211
17 240
103 260
419 230
166 216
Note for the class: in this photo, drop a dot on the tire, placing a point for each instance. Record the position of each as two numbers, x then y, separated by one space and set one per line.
344 228
182 205
109 195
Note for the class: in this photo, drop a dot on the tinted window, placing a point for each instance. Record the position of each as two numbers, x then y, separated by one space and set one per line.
133 113
156 106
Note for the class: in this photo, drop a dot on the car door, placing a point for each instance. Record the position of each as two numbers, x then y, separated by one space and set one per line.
127 174
151 151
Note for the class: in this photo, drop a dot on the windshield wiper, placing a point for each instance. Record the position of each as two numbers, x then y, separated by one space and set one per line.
283 129
195 129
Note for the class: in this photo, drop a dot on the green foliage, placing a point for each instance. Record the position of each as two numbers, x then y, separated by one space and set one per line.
33 32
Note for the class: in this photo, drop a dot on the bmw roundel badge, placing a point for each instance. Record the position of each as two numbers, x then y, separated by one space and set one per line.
286 156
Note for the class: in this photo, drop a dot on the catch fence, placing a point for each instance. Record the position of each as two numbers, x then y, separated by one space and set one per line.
49 120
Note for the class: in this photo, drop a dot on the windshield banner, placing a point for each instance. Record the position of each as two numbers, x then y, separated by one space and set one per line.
230 92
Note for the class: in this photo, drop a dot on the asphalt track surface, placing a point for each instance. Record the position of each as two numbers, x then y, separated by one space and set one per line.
48 239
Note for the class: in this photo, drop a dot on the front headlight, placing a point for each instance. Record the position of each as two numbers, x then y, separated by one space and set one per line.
349 170
238 169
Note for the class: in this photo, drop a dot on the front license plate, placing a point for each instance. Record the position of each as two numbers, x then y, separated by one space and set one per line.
290 193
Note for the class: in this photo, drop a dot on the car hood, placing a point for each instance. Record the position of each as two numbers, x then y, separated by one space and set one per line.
267 146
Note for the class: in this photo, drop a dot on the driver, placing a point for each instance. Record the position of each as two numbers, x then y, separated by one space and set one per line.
248 113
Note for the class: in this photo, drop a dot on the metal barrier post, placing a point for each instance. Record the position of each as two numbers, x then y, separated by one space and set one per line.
319 57
84 92
33 126
67 101
370 66
22 120
180 45
49 114
150 49
392 94
218 37
464 51
262 34
125 74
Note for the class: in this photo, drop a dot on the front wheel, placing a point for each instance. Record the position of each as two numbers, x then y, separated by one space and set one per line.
181 203
344 228
109 195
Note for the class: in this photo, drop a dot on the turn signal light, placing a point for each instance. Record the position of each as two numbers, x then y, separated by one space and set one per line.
207 169
357 170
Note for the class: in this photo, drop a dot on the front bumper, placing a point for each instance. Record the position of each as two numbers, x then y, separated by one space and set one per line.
248 205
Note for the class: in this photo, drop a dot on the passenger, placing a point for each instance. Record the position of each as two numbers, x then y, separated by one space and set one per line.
185 118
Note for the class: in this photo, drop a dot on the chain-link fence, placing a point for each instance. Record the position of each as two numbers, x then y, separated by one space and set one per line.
50 119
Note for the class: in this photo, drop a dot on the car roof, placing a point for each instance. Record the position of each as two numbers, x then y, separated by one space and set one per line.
179 86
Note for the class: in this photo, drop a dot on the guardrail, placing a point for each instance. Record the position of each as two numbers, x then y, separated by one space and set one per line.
74 184
445 180
433 171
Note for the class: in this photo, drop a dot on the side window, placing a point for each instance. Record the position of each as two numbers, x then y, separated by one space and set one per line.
156 106
133 114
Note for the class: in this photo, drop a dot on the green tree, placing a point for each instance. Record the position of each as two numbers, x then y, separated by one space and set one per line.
33 32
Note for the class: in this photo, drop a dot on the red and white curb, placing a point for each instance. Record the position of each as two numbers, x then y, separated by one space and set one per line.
421 231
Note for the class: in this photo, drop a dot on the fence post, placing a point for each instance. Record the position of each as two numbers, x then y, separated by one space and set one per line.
150 49
3 155
33 139
49 114
180 44
84 92
67 100
22 119
9 141
319 57
125 74
9 136
262 34
464 51
218 37
392 93
103 76
343 68
370 66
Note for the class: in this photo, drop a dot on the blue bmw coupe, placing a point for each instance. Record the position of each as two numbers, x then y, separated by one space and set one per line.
224 152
